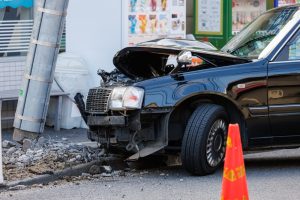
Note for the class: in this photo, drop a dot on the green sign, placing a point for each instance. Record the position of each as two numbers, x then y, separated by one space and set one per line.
213 21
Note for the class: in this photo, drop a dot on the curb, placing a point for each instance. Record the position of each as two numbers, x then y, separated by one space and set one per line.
43 179
115 163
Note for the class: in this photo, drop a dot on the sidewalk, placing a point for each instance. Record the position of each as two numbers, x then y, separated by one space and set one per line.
54 153
73 135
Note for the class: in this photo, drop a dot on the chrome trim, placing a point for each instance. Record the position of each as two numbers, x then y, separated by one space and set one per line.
285 61
287 108
284 114
98 100
262 110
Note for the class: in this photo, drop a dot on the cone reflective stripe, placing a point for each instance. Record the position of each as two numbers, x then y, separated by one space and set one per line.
234 185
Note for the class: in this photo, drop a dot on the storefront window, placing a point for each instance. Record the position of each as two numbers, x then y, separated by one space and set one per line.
245 11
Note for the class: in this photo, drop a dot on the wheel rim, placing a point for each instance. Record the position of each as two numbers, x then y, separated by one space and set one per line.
216 143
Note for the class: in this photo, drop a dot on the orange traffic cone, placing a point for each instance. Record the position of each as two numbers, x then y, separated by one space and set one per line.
234 185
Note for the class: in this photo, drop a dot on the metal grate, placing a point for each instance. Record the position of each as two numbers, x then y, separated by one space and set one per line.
15 37
97 100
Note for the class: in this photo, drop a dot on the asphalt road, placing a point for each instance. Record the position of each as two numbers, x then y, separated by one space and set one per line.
271 176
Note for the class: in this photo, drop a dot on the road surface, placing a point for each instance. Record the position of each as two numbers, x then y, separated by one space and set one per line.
271 176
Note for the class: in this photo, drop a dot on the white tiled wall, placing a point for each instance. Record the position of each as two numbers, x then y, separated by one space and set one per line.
11 74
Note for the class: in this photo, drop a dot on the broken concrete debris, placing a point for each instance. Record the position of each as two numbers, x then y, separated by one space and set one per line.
94 169
8 144
46 156
106 169
26 144
11 150
106 175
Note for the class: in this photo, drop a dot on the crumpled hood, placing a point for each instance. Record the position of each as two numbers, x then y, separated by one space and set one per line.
149 60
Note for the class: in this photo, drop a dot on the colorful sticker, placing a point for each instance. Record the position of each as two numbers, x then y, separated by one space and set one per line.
153 5
133 5
153 23
132 22
143 23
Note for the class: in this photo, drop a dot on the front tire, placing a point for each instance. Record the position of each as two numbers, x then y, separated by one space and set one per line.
204 141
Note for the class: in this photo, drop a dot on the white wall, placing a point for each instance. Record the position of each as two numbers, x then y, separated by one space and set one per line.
94 32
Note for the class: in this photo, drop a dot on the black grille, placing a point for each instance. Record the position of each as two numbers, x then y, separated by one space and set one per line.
97 101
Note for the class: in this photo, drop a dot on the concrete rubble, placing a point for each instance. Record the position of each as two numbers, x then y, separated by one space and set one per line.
46 156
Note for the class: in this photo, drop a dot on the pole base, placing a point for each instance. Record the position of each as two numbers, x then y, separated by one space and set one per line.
20 135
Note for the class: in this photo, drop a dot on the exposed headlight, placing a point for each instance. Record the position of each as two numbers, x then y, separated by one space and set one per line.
116 98
126 98
133 98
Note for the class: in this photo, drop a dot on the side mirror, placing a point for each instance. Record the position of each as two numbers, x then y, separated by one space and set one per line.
185 58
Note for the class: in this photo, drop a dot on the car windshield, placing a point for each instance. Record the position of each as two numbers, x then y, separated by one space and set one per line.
253 39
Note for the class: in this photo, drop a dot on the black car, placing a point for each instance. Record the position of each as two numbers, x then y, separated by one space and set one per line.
178 96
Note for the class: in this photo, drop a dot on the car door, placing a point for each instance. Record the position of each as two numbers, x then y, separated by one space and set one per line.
284 94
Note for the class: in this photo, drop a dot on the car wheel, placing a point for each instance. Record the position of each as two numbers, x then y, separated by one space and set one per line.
204 141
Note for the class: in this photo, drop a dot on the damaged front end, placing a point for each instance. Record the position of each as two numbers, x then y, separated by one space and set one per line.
115 121
114 111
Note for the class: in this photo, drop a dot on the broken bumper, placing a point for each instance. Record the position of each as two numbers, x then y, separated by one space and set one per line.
119 121
141 134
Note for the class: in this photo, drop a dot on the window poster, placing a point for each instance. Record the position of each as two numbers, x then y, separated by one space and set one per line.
209 17
287 2
145 20
245 11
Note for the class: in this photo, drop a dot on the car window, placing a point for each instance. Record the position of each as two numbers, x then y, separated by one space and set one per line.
292 49
253 39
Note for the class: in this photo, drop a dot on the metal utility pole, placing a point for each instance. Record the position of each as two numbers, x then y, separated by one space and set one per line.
34 94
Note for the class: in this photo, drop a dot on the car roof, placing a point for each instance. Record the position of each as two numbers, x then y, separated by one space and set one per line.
284 7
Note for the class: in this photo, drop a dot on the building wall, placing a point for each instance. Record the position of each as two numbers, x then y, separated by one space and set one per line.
100 32
11 74
94 35
100 25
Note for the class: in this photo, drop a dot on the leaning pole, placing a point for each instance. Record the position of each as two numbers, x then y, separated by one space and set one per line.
34 94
